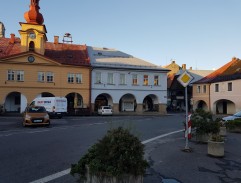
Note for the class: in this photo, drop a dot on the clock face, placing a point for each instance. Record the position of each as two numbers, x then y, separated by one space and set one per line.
32 35
31 59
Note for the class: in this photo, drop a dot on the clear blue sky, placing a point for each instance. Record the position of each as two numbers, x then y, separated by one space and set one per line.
203 34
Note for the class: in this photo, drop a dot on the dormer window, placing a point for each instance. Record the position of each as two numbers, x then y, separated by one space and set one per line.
31 46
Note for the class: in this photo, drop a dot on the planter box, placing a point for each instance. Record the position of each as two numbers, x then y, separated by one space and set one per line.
202 138
215 149
223 131
123 179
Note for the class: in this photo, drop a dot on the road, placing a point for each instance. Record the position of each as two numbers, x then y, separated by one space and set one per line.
32 153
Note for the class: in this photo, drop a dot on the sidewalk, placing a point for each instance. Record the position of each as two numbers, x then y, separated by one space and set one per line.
169 162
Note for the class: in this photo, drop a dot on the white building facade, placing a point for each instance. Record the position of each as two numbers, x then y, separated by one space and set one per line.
126 83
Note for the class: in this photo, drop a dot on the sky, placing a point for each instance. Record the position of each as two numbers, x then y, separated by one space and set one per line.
203 34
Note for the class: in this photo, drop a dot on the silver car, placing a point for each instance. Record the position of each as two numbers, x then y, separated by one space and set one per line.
105 110
233 117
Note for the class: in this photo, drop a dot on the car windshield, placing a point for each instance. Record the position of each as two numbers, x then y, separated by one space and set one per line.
238 114
36 110
106 107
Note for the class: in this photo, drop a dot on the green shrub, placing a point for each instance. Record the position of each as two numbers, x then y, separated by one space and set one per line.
234 125
117 154
203 122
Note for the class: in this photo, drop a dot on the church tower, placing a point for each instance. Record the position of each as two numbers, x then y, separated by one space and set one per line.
33 32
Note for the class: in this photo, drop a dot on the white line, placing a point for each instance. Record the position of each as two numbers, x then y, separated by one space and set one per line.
67 171
52 177
161 136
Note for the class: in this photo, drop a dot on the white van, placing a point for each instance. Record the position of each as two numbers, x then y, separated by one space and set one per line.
55 106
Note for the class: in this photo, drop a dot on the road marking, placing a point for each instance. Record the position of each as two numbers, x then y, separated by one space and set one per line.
67 171
160 136
52 177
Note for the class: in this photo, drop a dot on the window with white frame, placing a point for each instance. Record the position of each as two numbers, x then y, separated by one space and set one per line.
98 77
10 75
145 80
20 75
122 79
41 77
134 79
156 80
110 78
70 78
78 78
15 75
198 89
50 77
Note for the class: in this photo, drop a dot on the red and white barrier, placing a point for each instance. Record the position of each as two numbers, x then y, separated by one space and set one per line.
189 130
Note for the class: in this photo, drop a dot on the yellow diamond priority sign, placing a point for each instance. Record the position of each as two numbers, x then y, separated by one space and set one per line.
185 78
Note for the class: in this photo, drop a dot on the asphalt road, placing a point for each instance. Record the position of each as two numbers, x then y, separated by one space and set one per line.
29 154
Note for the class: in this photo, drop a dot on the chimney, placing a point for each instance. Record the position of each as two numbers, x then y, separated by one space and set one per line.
183 66
12 38
56 39
190 68
173 62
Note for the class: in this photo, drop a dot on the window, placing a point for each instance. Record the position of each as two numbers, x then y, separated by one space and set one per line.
10 75
110 79
216 88
70 78
97 77
122 79
50 77
41 76
134 79
145 80
156 80
31 46
20 75
204 89
15 75
198 89
78 78
230 87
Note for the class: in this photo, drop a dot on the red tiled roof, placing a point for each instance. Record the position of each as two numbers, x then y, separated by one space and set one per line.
68 54
7 48
230 71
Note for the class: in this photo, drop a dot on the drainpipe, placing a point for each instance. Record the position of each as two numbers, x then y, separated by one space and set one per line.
90 76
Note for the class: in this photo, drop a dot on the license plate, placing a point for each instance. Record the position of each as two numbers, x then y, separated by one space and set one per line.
37 121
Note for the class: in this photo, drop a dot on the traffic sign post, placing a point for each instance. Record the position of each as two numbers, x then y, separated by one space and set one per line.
184 79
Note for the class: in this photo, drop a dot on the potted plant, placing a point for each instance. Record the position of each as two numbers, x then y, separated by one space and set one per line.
117 157
234 125
201 124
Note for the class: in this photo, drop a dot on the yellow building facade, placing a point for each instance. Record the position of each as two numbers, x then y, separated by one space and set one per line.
31 67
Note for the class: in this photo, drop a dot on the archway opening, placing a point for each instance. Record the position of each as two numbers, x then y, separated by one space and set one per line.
202 105
103 100
127 103
224 107
150 103
15 102
74 102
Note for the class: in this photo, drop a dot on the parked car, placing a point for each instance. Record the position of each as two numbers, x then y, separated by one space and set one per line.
233 117
35 115
105 110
